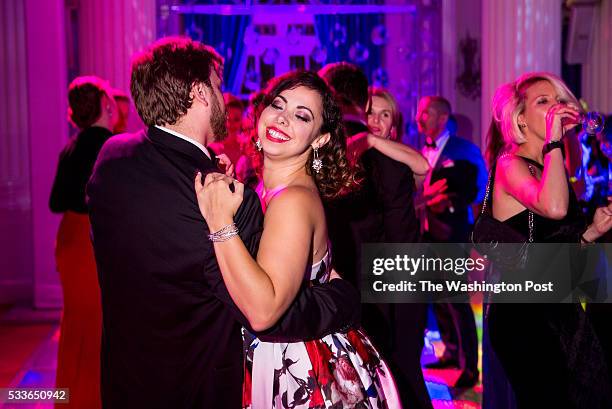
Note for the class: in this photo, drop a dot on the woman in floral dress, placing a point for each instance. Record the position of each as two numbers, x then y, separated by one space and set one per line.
301 137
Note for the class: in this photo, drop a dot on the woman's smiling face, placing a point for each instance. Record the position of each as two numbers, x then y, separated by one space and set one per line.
291 122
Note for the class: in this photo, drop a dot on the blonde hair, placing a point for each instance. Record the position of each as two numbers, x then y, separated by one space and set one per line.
397 120
509 102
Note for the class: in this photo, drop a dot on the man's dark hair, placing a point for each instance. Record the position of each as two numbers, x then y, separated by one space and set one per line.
85 100
348 82
163 76
440 104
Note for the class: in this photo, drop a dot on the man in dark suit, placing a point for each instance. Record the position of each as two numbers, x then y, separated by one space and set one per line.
381 212
171 333
457 180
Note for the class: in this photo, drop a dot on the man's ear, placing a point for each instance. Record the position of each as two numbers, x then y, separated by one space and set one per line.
321 140
444 118
200 92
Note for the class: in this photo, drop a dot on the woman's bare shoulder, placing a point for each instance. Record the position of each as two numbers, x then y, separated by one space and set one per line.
295 199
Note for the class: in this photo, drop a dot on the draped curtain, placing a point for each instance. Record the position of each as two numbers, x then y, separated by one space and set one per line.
357 28
226 35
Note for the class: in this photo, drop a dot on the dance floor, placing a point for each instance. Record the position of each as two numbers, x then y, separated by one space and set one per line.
28 357
439 381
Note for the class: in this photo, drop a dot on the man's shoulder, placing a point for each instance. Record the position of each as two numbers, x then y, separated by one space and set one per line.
127 139
123 145
459 142
462 149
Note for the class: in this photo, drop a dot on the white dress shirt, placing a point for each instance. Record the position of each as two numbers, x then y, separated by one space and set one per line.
186 138
433 154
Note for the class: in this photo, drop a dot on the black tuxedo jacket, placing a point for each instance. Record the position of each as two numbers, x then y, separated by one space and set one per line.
463 167
171 333
383 212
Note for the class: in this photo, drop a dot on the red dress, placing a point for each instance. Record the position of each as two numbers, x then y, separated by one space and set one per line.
78 366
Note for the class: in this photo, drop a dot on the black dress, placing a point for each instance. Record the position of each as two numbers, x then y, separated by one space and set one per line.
550 352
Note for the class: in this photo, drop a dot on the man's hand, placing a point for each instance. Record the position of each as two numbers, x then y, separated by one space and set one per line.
439 203
439 186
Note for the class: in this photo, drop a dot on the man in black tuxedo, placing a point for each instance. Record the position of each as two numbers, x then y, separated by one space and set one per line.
457 180
381 212
171 333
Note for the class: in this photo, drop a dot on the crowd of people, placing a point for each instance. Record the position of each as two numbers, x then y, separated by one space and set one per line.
213 258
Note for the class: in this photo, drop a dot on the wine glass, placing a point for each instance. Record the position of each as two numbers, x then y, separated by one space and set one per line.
592 122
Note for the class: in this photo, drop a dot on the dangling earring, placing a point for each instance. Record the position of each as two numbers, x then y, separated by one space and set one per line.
258 144
317 163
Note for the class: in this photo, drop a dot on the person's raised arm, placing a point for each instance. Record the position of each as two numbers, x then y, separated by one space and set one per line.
549 196
410 157
401 153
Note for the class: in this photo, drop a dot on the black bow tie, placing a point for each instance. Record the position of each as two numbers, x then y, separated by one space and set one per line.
430 143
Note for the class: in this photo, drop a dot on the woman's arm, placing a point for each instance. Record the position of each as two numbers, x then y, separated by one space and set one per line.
412 158
602 223
401 153
549 196
262 289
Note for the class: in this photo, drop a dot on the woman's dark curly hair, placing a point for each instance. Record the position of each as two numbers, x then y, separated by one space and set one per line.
337 177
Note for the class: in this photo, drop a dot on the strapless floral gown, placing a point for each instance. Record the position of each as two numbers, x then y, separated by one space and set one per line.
341 370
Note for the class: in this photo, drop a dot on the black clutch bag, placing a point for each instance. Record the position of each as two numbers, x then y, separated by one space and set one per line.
489 232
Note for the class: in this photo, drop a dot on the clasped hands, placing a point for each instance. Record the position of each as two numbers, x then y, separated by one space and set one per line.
217 200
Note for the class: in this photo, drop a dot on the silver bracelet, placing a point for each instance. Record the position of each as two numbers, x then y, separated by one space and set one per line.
224 234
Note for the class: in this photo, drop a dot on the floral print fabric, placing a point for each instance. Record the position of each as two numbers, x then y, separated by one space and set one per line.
342 370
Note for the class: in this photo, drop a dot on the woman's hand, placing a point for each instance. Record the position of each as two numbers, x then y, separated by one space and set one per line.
218 204
357 144
560 118
371 139
225 164
602 222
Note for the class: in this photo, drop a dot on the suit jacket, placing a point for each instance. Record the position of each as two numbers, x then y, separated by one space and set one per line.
171 333
382 211
463 167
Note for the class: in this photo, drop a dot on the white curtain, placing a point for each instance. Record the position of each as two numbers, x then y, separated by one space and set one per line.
597 72
517 36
